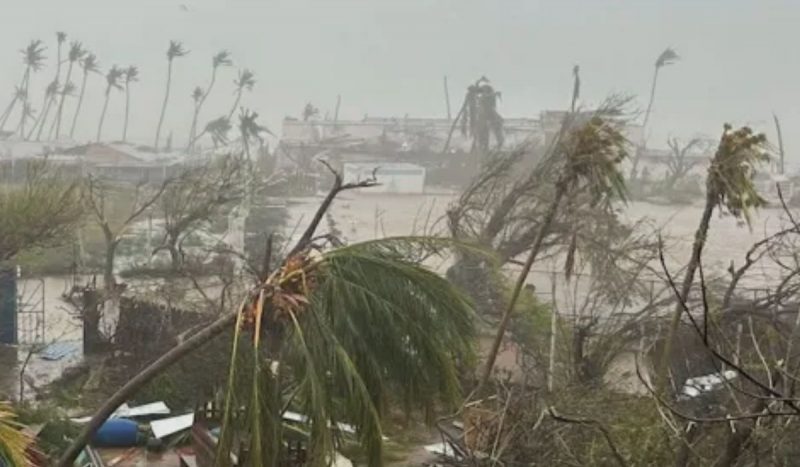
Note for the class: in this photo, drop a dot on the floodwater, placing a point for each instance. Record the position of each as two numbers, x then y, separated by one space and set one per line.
363 216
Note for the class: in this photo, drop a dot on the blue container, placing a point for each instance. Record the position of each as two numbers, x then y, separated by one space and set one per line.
117 432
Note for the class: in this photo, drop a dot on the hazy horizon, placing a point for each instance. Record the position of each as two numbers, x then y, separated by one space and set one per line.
388 58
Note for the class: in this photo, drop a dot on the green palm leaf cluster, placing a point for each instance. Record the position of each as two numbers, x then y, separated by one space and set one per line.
342 336
14 442
730 176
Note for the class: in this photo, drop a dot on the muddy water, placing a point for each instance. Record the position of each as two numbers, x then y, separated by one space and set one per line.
363 216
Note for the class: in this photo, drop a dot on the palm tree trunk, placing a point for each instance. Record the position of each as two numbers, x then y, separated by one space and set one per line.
453 126
662 371
50 105
163 105
42 115
14 100
127 113
103 114
140 380
561 189
193 130
638 153
61 102
78 107
235 104
7 112
26 83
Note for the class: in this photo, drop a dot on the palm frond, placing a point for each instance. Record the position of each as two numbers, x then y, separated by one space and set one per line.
733 169
33 55
76 51
667 57
245 80
175 49
14 442
221 58
131 74
90 64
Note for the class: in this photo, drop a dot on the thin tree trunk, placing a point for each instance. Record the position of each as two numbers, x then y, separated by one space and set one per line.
109 281
453 126
662 370
193 130
145 376
50 105
25 104
235 104
14 101
127 112
163 106
780 142
523 276
63 98
8 111
42 115
103 114
447 99
78 107
638 153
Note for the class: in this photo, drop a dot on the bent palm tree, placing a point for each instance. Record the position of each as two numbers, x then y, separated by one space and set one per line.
218 130
350 326
51 90
89 65
729 186
131 76
112 82
174 50
33 58
667 57
222 58
13 441
245 81
589 153
251 130
76 53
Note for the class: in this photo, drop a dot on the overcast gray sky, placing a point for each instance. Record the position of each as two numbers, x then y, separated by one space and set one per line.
387 57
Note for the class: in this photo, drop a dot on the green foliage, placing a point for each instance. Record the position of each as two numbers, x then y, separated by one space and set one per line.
372 328
730 181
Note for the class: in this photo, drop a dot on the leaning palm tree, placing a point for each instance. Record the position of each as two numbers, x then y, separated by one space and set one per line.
51 89
667 57
346 331
217 129
76 53
112 82
478 117
588 153
14 442
729 187
131 76
89 65
174 51
251 130
33 59
222 58
245 81
197 97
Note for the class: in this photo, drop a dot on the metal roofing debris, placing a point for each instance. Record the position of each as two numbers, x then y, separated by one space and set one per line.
59 350
693 387
167 426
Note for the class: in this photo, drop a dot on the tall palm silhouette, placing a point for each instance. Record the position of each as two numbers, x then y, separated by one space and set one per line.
112 82
51 90
667 57
89 65
245 81
131 76
174 51
222 58
76 53
33 58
